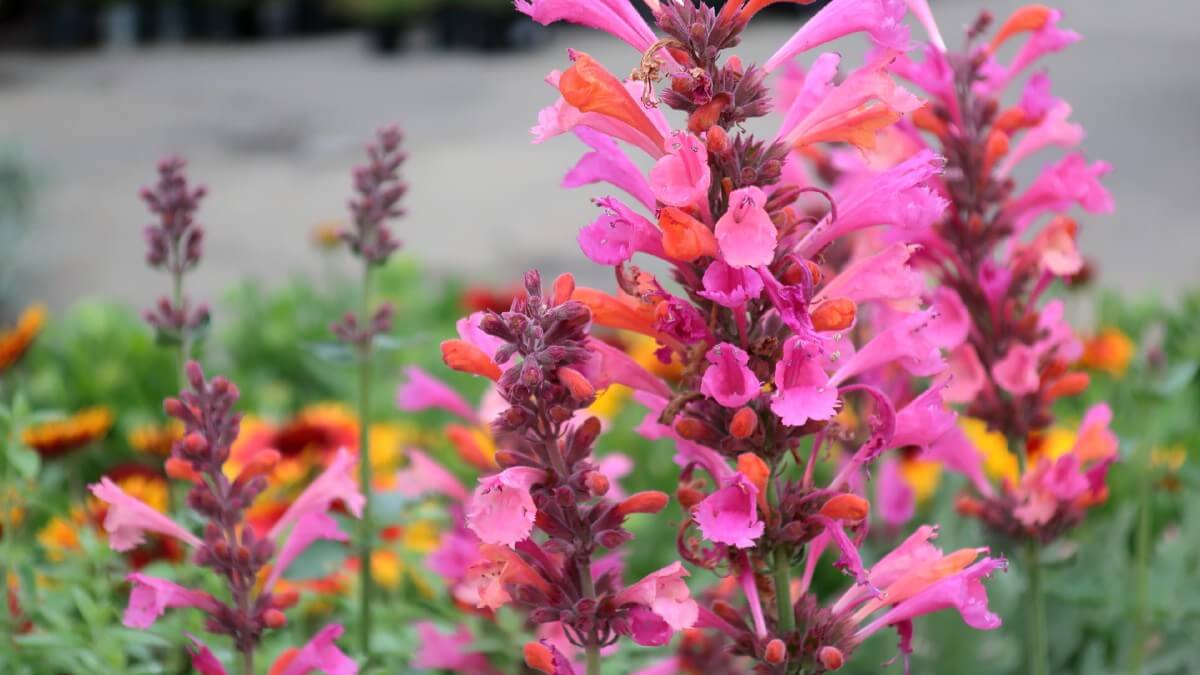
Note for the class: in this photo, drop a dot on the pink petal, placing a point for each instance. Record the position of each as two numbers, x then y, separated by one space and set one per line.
962 591
422 391
128 519
442 651
729 286
336 483
895 501
883 20
608 163
203 660
682 177
609 366
967 376
425 476
502 510
152 596
1017 371
728 380
745 234
1054 129
803 391
730 515
618 234
322 655
616 17
310 528
925 419
666 594
886 275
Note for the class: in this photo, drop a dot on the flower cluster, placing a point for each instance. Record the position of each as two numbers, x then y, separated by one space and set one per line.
249 564
995 251
174 244
762 316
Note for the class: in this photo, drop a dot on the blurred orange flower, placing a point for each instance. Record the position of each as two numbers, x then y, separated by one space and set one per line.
15 342
57 438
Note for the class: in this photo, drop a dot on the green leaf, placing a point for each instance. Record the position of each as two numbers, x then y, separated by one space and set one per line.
25 460
333 352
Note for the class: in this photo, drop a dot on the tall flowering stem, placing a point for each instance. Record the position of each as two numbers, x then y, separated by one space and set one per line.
175 245
249 562
995 252
378 190
762 326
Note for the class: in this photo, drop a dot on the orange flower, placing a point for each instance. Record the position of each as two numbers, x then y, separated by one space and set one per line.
684 238
156 439
327 234
621 312
587 86
1026 19
53 439
14 343
466 357
1110 351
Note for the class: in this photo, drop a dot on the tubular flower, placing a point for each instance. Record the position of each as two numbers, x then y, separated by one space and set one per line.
589 88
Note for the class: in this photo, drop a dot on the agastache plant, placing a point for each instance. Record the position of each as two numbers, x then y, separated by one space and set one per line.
248 563
175 244
543 518
762 324
378 190
994 253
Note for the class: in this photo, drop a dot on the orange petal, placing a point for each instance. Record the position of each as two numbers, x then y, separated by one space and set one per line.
614 312
996 147
856 127
471 446
1026 19
466 357
756 471
685 238
587 86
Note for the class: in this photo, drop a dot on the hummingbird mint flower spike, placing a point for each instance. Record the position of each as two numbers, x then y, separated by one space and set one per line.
175 244
378 190
229 545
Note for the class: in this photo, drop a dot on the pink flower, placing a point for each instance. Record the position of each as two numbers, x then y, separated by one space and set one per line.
925 419
885 275
729 286
853 111
899 197
727 380
128 519
615 466
425 476
803 391
963 591
152 596
895 501
666 595
1054 129
616 17
456 553
1017 371
608 163
967 375
442 651
618 234
423 391
609 366
309 528
745 234
320 655
1048 39
951 321
335 484
730 515
905 341
682 177
1036 99
955 451
602 103
502 510
203 660
487 581
883 20
1061 185
920 9
814 87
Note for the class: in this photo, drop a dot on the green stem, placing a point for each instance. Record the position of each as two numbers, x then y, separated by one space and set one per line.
177 300
365 535
593 649
248 663
1035 600
1141 566
783 574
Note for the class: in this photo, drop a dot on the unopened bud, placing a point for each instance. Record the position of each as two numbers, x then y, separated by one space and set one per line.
597 483
967 505
540 658
1071 384
846 506
274 618
831 657
688 497
744 423
194 444
285 599
564 288
834 314
775 653
651 501
173 407
717 140
243 555
260 464
181 469
707 115
576 383
692 429
613 539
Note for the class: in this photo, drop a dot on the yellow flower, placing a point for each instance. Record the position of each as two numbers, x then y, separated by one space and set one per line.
922 476
156 439
59 437
1172 457
387 569
1052 443
327 234
608 403
1110 351
421 537
14 343
998 461
60 536
642 349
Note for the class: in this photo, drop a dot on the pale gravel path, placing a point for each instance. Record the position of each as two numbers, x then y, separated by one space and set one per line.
274 128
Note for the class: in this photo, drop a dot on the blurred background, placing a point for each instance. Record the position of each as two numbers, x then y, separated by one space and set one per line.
271 101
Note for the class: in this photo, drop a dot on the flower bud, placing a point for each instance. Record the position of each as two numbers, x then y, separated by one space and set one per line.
693 429
613 539
285 599
834 314
707 115
651 501
576 383
181 469
968 506
194 444
564 287
262 463
744 423
831 657
846 506
466 357
775 653
688 497
597 483
684 238
995 148
717 140
925 119
274 618
1071 384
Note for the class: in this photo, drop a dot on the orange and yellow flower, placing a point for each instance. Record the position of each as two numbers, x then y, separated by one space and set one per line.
1110 351
156 439
15 342
57 438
